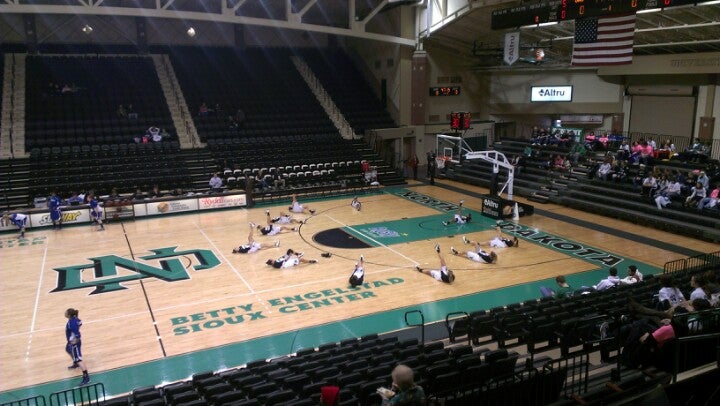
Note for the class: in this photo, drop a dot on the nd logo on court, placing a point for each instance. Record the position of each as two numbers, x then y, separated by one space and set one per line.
105 270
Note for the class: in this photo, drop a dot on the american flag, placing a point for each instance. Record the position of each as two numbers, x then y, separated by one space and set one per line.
604 41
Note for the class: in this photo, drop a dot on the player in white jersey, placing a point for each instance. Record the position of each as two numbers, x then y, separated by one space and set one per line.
270 228
285 218
458 218
290 259
252 245
443 274
296 207
355 203
358 276
501 242
477 254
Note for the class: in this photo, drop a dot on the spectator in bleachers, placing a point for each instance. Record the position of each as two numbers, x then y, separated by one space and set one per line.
635 151
577 153
155 193
620 171
114 195
711 283
565 138
611 281
633 276
74 199
703 178
590 140
698 194
138 195
518 162
443 274
329 395
603 140
672 192
203 110
215 183
121 112
710 201
669 295
649 184
261 181
277 179
623 152
647 153
563 290
697 282
605 172
404 391
666 151
131 113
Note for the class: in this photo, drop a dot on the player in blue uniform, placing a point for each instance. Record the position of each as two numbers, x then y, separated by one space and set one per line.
95 210
55 213
19 219
72 334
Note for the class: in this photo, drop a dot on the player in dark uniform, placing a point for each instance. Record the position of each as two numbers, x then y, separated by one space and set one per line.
55 212
19 219
443 274
74 343
95 210
358 276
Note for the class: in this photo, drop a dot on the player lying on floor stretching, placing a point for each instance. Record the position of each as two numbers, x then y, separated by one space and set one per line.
478 254
252 245
443 274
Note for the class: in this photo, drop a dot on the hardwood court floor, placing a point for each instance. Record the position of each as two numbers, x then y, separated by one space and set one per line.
242 298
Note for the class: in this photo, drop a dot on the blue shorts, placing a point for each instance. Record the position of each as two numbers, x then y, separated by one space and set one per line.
74 351
20 223
55 215
96 214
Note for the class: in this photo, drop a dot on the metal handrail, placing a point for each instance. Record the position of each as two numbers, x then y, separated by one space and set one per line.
421 325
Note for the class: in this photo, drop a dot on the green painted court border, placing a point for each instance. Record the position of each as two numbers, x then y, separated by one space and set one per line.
180 367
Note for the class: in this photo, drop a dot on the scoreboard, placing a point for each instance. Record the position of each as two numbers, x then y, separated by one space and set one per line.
560 10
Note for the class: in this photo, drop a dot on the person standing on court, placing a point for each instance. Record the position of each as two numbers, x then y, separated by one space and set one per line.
413 163
74 343
55 212
95 210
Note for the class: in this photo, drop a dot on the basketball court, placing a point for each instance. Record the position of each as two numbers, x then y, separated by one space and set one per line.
164 297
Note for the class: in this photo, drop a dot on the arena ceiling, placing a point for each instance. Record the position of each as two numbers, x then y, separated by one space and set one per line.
458 28
467 35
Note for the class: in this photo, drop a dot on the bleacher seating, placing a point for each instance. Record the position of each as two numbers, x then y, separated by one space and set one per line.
86 113
575 189
263 83
345 84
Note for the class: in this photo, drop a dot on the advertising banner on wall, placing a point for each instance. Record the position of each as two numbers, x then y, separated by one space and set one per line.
219 202
119 211
69 216
171 206
512 47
